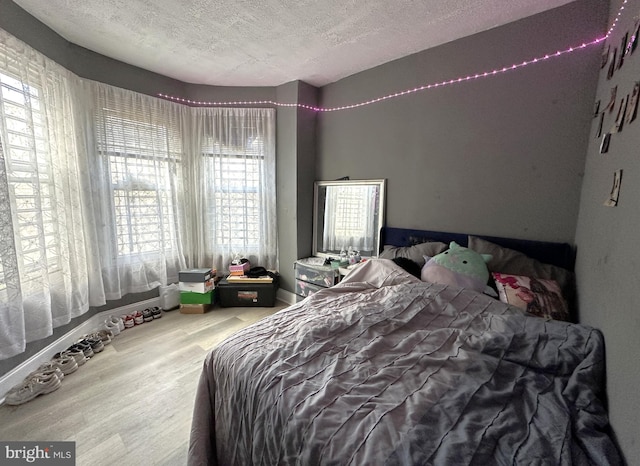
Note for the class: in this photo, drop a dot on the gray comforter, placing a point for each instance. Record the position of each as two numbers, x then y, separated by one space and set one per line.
386 369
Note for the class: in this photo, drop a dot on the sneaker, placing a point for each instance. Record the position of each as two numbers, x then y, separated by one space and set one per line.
66 363
100 335
128 321
157 313
117 321
84 347
31 387
76 353
47 368
105 335
147 315
138 318
96 343
112 327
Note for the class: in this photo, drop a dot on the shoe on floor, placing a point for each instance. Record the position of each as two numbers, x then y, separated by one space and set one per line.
117 321
106 336
147 315
157 313
31 387
129 321
66 363
112 327
84 347
103 335
138 318
47 368
76 353
96 343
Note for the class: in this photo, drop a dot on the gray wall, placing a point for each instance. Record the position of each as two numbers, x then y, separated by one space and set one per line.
295 172
608 262
501 156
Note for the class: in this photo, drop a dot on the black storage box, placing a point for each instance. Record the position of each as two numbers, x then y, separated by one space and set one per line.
247 294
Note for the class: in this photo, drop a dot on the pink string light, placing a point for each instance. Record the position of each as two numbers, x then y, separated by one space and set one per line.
449 82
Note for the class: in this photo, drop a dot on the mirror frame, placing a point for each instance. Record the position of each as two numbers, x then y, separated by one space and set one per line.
380 183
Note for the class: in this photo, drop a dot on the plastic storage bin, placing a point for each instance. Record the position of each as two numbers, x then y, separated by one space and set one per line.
247 294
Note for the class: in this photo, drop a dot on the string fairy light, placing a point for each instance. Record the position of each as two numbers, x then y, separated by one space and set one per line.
424 87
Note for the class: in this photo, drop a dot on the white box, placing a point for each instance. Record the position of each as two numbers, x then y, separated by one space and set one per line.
197 287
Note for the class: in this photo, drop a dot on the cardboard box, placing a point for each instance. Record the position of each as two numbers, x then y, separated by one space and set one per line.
189 297
194 308
195 275
197 287
241 269
247 294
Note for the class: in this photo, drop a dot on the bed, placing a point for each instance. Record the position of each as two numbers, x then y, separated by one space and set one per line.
384 368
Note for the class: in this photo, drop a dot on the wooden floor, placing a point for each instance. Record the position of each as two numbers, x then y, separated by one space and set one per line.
132 403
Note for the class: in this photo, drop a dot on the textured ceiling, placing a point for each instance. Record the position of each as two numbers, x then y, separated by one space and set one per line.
270 42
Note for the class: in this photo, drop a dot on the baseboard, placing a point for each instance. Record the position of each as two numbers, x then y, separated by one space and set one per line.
286 296
18 373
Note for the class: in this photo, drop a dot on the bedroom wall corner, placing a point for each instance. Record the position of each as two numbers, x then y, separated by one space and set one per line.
295 173
608 257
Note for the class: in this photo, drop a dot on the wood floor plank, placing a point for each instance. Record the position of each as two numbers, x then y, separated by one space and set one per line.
132 403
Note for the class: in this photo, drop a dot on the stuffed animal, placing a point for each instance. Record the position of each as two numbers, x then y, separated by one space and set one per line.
457 266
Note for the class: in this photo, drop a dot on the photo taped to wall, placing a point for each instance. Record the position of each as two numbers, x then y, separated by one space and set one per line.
605 56
600 123
612 99
604 146
634 37
612 200
612 64
632 108
623 50
622 111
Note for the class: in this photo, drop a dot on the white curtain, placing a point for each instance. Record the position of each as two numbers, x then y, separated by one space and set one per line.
46 218
188 187
12 330
137 177
105 192
236 186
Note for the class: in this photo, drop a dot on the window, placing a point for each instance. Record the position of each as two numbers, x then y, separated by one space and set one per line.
236 215
29 177
142 161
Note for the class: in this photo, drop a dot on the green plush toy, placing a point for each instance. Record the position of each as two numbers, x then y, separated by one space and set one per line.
457 266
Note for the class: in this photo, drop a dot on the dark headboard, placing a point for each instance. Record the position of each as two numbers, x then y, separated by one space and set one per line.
559 254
